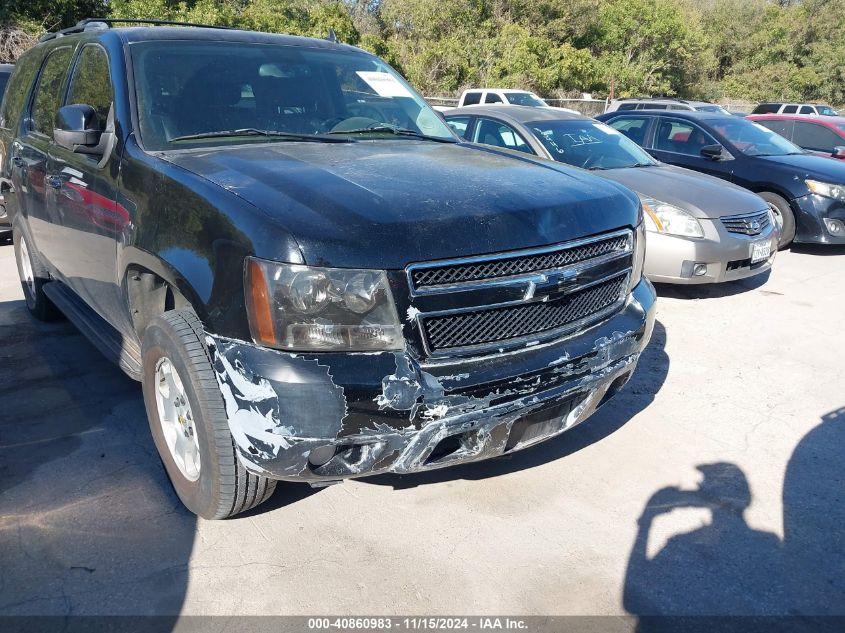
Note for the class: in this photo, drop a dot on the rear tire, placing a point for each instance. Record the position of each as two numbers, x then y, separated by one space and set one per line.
193 437
783 216
33 276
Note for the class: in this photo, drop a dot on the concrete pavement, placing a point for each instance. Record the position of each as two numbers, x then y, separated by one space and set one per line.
711 484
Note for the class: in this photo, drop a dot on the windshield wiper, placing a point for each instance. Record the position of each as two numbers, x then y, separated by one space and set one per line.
251 131
398 131
643 165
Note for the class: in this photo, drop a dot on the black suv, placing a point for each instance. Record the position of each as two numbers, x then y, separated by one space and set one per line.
311 276
5 225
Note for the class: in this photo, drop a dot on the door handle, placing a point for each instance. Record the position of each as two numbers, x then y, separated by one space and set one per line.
55 182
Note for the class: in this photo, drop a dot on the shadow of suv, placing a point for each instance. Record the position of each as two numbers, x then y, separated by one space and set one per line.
310 274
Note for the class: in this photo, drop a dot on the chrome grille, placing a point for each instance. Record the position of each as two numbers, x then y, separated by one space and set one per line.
507 265
483 326
750 224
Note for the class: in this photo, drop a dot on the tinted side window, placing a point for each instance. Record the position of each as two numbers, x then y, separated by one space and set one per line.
459 124
91 83
492 98
766 108
807 110
817 137
632 127
48 95
627 106
784 128
18 89
790 109
681 138
498 134
472 98
653 106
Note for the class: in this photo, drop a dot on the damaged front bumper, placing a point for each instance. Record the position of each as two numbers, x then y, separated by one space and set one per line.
324 417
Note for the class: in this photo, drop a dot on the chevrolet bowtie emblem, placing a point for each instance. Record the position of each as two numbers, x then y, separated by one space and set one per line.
549 286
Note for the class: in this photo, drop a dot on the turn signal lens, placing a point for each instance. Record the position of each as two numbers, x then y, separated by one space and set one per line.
259 305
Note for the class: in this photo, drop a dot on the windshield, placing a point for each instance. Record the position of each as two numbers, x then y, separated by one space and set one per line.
188 91
589 145
752 139
826 110
712 108
525 99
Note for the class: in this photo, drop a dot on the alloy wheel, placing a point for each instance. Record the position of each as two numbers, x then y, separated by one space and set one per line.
177 420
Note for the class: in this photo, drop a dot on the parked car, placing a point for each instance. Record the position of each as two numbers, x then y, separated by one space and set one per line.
662 103
5 225
504 96
269 229
821 135
700 229
806 192
817 109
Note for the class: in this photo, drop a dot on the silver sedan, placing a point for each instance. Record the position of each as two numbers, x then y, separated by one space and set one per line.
700 229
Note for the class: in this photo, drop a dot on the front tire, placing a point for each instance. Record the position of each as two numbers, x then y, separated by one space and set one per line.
33 276
188 421
783 216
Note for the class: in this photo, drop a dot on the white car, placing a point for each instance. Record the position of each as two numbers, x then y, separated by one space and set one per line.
812 109
505 96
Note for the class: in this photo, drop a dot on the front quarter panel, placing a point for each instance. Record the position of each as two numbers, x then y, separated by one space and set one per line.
195 236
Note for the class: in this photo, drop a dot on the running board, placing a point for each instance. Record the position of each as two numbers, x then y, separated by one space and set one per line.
120 350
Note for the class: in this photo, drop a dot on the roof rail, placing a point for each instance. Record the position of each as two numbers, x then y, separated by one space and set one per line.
678 99
94 24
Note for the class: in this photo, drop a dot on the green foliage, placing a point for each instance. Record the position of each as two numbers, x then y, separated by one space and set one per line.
748 49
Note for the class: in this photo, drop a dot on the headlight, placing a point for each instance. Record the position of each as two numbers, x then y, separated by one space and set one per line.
826 189
639 255
662 217
301 308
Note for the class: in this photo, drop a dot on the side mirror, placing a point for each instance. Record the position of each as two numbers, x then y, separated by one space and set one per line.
838 152
76 129
712 152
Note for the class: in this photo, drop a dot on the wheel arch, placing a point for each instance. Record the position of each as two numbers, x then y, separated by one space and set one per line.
152 286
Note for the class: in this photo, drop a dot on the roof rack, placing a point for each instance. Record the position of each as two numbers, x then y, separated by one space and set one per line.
96 24
678 99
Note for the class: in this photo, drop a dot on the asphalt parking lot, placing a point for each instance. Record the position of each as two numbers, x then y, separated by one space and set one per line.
712 484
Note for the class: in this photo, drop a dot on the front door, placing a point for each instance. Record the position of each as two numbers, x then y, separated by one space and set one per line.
90 222
679 142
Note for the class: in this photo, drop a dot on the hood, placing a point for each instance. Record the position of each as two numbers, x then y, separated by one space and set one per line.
702 195
387 203
810 166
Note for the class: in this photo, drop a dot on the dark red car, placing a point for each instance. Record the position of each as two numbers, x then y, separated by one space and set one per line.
824 135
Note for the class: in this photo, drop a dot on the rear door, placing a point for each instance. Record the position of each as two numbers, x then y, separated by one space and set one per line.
816 137
784 127
498 134
35 195
89 223
461 125
679 142
635 128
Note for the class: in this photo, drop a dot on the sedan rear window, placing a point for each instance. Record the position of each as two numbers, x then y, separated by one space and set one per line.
589 145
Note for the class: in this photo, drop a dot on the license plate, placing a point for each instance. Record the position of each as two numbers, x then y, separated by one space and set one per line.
760 251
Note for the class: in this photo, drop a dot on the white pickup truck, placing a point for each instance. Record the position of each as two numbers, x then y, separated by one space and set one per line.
504 96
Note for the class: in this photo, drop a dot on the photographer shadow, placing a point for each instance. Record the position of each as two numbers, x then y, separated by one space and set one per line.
726 568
